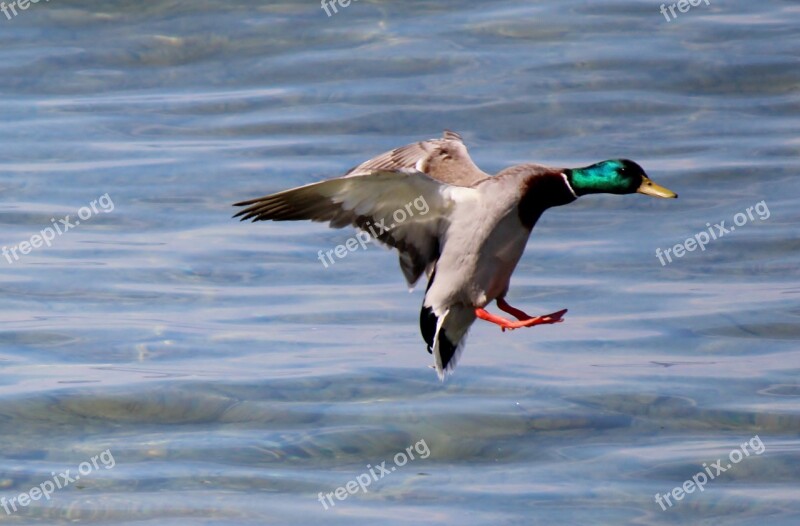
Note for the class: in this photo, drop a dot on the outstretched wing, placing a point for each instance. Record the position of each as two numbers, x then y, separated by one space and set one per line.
404 209
446 160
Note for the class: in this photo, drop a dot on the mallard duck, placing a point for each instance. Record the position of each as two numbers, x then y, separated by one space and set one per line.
472 235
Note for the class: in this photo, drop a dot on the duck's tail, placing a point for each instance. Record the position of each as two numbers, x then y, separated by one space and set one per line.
446 334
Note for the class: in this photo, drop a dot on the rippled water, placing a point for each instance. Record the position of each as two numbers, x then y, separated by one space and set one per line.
233 378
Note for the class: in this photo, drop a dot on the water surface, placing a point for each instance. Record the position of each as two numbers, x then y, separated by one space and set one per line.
233 378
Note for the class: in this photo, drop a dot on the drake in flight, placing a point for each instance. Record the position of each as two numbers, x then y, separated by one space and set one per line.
472 236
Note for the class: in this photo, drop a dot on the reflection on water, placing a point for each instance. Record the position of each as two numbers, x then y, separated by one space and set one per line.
234 378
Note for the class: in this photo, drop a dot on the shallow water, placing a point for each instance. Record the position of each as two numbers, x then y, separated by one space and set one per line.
233 378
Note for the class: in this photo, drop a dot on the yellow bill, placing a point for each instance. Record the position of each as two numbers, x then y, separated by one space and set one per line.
648 187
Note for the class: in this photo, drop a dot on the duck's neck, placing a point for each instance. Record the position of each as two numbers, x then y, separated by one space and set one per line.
542 191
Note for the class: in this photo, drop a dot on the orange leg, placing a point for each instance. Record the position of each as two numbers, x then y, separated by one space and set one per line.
524 319
518 314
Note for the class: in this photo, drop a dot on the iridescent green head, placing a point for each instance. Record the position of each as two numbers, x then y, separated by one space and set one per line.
618 176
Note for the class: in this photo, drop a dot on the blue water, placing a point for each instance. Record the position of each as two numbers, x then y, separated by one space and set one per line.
233 378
